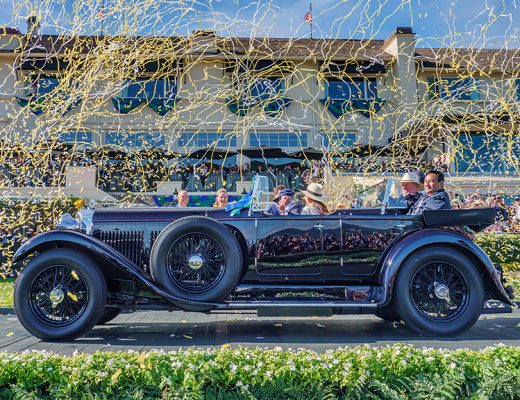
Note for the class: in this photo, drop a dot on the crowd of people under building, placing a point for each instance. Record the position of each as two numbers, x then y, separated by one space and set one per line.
142 175
137 174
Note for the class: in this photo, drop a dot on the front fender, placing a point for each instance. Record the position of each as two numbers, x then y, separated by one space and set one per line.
91 245
395 256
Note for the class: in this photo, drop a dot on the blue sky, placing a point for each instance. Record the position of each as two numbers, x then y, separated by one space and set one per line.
482 23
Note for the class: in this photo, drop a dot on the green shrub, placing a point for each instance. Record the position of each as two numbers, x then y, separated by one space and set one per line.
393 372
20 219
502 248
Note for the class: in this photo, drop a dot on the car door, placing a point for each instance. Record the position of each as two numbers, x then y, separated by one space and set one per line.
289 245
364 238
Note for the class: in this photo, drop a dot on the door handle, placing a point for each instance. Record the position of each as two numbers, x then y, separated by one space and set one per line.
319 226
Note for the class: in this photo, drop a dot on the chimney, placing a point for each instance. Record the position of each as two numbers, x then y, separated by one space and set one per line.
33 25
401 45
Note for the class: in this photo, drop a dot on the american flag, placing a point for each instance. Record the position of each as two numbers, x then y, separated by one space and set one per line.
308 17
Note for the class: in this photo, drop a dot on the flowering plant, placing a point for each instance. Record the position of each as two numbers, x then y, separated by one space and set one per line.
397 371
77 202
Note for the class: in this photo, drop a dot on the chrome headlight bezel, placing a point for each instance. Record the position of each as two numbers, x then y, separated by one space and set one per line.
68 222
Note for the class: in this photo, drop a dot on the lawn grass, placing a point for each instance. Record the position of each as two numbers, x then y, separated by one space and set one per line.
6 292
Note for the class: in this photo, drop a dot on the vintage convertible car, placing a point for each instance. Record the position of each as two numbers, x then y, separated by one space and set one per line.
371 259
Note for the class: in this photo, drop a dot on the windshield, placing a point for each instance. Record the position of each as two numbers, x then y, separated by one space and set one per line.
387 192
260 199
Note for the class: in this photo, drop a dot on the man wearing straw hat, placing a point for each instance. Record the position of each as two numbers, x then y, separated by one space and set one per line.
314 200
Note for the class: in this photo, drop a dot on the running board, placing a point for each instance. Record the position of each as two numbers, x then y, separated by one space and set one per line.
497 307
302 308
291 308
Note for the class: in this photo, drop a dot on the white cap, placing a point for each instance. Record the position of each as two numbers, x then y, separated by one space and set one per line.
412 178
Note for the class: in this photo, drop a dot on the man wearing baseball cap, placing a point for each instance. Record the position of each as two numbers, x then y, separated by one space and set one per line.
286 203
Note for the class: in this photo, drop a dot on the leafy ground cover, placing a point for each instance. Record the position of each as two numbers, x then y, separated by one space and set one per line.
393 372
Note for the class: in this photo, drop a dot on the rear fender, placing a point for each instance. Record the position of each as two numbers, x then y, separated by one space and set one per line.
92 246
393 259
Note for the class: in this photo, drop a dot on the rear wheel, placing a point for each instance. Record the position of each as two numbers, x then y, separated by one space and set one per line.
198 259
439 292
108 315
60 295
388 314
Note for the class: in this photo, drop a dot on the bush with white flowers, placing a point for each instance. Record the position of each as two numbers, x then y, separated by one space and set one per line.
398 371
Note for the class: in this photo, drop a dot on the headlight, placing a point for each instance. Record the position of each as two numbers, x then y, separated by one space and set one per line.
67 221
85 219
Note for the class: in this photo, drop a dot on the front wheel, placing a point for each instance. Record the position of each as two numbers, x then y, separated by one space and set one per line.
60 295
439 292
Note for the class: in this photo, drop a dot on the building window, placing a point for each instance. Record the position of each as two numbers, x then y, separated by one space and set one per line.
204 139
37 85
480 153
137 139
281 139
352 89
338 139
151 88
458 89
261 88
75 137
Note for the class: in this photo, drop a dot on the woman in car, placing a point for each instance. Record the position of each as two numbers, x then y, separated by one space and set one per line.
221 200
314 200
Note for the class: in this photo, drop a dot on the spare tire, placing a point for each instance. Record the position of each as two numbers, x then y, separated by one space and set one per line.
196 258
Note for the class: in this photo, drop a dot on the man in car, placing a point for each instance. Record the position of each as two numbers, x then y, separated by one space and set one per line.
435 197
183 198
410 186
286 203
273 208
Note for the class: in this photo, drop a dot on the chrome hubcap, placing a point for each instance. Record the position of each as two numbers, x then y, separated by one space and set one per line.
441 291
56 296
195 261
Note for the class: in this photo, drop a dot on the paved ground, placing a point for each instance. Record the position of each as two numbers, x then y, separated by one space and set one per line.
163 330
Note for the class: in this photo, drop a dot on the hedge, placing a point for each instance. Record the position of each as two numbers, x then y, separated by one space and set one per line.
501 248
19 219
393 372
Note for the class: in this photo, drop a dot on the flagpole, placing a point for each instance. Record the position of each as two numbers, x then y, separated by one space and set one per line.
102 17
310 9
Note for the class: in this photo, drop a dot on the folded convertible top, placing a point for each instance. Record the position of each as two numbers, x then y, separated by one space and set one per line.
476 218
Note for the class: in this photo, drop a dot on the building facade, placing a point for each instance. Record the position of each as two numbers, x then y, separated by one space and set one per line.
389 105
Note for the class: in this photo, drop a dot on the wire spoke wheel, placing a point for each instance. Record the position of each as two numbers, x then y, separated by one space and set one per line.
439 291
196 262
58 295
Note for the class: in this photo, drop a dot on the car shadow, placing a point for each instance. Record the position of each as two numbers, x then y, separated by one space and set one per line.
296 332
